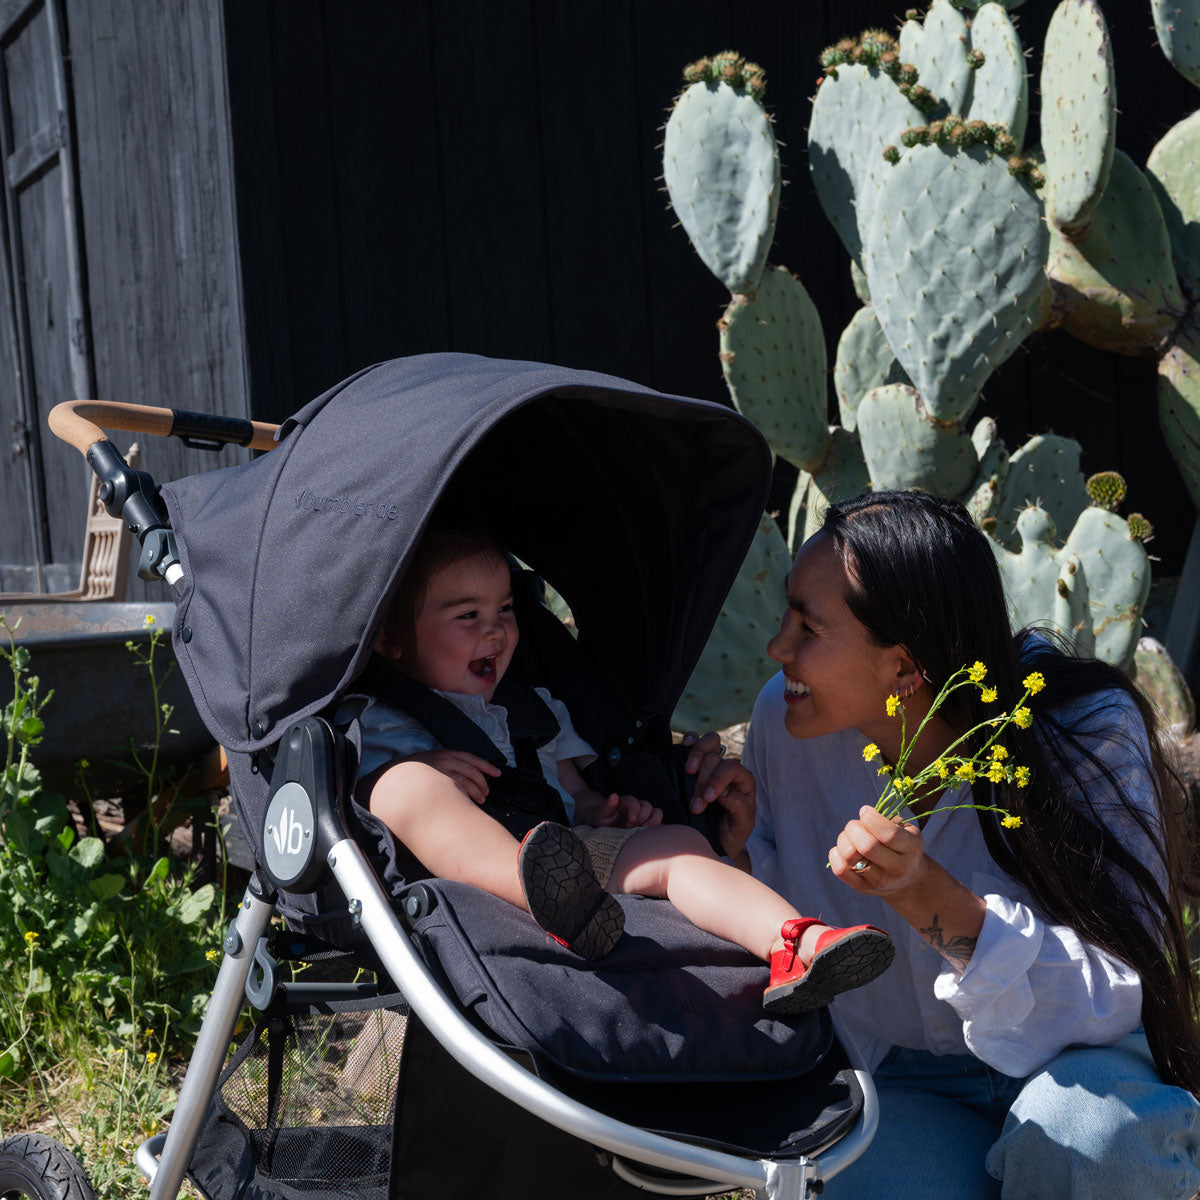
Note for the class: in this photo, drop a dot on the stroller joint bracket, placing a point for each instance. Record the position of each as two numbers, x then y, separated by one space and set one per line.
303 820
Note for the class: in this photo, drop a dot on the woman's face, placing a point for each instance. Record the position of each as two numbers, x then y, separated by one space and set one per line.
836 677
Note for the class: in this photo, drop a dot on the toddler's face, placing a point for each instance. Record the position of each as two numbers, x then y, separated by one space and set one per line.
465 630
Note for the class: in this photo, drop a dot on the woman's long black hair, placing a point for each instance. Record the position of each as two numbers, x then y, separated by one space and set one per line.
924 577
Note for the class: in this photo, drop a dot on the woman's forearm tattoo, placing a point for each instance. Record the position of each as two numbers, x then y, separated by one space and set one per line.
957 950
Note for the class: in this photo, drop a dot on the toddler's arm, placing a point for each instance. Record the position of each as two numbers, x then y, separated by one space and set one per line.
468 771
591 808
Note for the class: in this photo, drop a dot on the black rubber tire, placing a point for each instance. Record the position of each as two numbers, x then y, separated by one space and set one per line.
41 1169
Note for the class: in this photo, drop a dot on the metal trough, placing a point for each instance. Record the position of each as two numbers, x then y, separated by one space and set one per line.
103 700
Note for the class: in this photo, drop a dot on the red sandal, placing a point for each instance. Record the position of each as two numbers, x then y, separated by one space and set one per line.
844 959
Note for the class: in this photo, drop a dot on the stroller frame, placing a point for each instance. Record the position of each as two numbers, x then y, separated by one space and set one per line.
326 850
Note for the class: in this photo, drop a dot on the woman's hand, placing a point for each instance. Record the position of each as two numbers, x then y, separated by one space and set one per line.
728 784
625 812
469 771
894 854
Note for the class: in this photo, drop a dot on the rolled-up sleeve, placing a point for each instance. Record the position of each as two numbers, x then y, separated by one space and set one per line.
760 846
1032 988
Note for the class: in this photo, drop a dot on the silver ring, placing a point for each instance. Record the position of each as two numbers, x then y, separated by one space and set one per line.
860 867
721 750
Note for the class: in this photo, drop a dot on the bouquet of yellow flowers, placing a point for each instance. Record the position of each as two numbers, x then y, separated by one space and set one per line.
988 760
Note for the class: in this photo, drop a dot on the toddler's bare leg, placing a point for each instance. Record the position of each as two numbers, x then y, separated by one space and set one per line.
446 830
676 862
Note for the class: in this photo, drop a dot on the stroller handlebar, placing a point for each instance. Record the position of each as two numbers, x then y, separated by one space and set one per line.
79 423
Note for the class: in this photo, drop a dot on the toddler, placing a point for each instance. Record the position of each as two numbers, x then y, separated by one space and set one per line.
452 628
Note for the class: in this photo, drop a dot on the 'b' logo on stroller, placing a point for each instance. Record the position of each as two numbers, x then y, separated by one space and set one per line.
288 833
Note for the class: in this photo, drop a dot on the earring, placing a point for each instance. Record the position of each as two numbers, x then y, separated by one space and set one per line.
908 691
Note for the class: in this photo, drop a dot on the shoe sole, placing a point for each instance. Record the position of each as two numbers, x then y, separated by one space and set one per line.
563 894
847 964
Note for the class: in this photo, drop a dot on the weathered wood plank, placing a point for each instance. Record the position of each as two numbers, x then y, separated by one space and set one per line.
34 156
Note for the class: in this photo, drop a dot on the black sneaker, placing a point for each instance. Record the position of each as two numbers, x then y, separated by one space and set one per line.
563 894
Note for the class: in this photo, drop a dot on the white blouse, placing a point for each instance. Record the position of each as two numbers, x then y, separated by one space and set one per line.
1031 987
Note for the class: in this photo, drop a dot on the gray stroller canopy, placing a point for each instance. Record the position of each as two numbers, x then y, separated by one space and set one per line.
638 507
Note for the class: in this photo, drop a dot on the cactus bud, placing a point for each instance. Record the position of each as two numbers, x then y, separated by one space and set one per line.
756 81
1036 179
832 56
1107 489
988 524
892 154
1003 142
1016 166
922 98
889 64
698 71
915 135
937 133
1140 528
979 133
727 66
975 59
912 14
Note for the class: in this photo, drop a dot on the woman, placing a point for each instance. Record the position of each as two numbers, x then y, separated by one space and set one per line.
1003 1039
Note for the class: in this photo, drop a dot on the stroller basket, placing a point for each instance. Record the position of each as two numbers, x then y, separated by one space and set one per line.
638 509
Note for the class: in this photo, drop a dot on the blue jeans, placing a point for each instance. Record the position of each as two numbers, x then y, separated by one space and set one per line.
1095 1123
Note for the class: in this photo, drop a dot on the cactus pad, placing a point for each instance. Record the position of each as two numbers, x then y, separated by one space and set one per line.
773 357
1179 405
954 262
1177 23
1079 113
856 114
1139 528
1173 169
864 361
1116 288
905 447
1092 590
1000 90
721 168
938 49
1163 684
841 476
734 665
982 498
1044 472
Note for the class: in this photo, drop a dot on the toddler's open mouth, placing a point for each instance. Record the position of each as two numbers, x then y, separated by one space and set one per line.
483 668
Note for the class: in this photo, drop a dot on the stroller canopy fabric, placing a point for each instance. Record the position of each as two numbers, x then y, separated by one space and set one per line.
637 507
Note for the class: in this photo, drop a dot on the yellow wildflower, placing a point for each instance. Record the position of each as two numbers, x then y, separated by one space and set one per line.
212 955
31 937
884 770
996 772
893 705
988 695
152 1058
1021 774
151 619
148 1032
908 781
1022 717
1034 682
1011 822
943 768
976 672
870 752
999 752
966 770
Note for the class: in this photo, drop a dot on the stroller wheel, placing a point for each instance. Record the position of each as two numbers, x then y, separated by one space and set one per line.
41 1169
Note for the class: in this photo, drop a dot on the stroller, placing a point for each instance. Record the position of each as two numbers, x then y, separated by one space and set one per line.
484 1060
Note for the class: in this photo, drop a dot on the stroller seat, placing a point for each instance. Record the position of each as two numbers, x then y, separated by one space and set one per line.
652 1069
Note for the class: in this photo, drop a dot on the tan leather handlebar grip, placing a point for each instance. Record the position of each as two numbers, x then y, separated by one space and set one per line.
80 422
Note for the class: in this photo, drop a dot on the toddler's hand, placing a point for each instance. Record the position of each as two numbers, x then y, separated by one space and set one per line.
468 771
627 812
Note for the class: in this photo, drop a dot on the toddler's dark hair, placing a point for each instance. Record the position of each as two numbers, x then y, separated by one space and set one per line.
441 545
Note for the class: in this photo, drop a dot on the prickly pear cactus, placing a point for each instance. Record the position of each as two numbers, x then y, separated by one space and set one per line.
1079 113
721 167
864 361
734 665
841 475
938 47
858 112
1164 686
773 357
954 261
1179 404
1115 287
1000 87
1043 472
1177 23
1091 590
904 445
1173 170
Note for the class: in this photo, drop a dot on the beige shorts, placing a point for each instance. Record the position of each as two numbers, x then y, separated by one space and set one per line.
603 845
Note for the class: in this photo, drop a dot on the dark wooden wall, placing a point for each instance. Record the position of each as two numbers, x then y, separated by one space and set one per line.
484 176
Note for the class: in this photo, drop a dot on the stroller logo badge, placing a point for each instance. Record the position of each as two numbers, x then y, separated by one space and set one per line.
287 833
